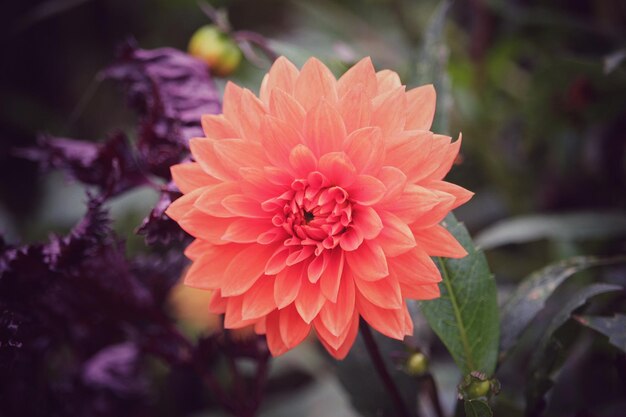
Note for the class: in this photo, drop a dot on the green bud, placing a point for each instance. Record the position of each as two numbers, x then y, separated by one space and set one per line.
215 48
417 364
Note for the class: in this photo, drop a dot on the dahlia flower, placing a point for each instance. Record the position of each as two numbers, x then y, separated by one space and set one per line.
318 203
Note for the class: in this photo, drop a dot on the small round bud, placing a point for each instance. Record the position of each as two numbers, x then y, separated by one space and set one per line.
478 389
215 48
417 364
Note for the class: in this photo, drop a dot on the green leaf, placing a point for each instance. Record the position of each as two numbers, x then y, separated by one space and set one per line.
477 408
530 296
612 327
567 227
465 317
545 354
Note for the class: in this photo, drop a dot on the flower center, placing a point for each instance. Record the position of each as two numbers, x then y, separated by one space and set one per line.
313 212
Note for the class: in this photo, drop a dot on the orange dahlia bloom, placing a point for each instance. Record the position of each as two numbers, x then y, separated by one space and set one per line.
318 203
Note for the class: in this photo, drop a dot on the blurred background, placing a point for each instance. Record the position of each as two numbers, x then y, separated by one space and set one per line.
537 87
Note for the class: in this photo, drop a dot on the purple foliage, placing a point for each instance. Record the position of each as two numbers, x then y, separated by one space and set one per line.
171 91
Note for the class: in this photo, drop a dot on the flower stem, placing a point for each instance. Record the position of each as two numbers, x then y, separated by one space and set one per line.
383 373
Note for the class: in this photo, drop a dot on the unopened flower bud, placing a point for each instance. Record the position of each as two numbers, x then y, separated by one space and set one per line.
215 48
417 364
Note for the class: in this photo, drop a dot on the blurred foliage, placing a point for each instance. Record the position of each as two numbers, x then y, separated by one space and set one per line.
538 88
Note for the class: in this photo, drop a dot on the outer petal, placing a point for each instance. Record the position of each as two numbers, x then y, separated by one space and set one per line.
324 130
314 83
216 126
384 293
338 346
283 75
368 262
258 301
331 277
207 271
356 108
336 316
389 322
310 300
189 175
422 102
366 149
437 241
293 330
287 285
387 81
389 112
272 330
396 237
361 73
415 267
278 140
245 268
461 195
286 108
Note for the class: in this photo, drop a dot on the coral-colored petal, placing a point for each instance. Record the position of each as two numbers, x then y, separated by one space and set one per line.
258 185
389 112
389 322
217 303
207 271
216 126
183 204
293 330
351 239
233 318
272 330
236 153
366 190
203 151
286 108
203 226
355 108
324 130
283 74
433 161
197 248
394 181
245 268
437 241
338 168
278 261
387 81
302 160
461 195
258 301
317 266
384 293
244 206
368 262
450 153
338 346
366 149
415 268
437 213
189 176
232 102
331 277
251 113
210 200
315 82
259 326
418 145
278 140
414 202
396 237
361 73
310 300
287 285
367 220
421 102
246 230
420 292
336 316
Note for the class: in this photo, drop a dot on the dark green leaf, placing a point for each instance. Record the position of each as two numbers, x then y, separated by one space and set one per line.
544 356
477 408
465 317
568 227
612 327
531 295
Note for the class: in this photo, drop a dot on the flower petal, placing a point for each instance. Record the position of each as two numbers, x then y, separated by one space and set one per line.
287 285
421 103
286 108
384 293
315 82
245 268
389 322
387 81
360 73
336 316
203 151
389 112
366 190
216 126
324 130
396 237
189 176
367 220
338 346
293 330
210 200
272 330
437 241
336 166
366 149
258 301
368 262
246 230
309 301
331 277
278 140
355 108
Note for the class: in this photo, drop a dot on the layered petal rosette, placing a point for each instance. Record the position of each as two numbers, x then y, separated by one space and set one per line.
318 203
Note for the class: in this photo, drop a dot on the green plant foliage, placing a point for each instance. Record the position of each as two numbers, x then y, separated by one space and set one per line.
545 354
530 296
465 317
477 408
612 327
